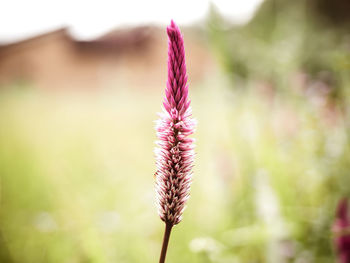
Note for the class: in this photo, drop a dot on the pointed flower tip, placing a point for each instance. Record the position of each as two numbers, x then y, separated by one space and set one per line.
173 28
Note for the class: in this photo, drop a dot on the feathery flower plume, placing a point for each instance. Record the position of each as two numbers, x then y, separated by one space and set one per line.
341 229
174 152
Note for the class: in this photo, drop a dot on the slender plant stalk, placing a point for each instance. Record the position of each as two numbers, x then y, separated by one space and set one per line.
175 150
166 237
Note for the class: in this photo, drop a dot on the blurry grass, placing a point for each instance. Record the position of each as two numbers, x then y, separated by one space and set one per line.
273 156
77 177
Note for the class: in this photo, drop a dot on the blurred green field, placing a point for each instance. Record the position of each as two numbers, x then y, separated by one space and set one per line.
77 177
272 156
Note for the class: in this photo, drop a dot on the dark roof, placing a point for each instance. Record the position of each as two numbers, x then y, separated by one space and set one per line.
61 31
27 43
116 40
121 39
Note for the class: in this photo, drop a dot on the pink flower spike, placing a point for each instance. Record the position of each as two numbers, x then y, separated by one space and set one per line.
174 151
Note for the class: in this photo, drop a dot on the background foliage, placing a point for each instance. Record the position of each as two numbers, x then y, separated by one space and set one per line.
272 155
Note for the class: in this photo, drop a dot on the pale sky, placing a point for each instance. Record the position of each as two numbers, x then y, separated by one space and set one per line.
20 19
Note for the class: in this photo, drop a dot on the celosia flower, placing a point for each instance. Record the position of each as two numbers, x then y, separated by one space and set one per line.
341 229
174 154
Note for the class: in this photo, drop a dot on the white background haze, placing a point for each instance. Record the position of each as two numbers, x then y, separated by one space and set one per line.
20 19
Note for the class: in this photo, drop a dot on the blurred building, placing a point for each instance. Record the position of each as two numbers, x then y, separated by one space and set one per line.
134 57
